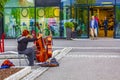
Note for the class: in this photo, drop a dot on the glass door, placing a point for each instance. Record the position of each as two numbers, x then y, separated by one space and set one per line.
82 18
117 18
101 12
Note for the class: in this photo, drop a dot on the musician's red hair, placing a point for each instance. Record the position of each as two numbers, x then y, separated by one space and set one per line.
25 33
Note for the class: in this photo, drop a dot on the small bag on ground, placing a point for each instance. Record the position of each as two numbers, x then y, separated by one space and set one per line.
6 64
52 62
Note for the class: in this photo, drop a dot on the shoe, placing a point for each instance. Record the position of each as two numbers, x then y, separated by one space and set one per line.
95 38
92 38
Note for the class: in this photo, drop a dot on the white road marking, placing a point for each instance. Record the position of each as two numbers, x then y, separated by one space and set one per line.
99 39
93 56
76 47
96 47
89 47
83 52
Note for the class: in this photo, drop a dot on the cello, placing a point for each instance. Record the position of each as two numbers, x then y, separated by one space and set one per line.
49 46
41 54
44 48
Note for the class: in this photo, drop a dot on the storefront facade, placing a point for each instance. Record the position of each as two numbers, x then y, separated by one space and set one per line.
30 15
48 17
100 8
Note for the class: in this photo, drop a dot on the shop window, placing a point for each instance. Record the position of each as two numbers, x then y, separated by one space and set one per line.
19 3
17 20
117 28
47 20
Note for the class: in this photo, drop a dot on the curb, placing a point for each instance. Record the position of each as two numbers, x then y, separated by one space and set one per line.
20 74
39 71
10 55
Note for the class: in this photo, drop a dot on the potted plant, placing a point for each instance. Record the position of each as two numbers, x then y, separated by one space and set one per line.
69 27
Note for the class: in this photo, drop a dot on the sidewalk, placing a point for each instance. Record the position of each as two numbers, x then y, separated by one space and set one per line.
85 60
11 44
86 64
40 70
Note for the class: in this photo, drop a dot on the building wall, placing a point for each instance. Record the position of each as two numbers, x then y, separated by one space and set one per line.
50 20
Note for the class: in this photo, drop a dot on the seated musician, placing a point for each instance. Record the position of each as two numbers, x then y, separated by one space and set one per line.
22 46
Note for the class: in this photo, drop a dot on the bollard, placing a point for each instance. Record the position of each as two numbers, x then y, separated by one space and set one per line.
3 37
2 43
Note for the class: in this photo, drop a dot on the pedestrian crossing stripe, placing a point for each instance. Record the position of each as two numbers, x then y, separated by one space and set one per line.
90 47
93 56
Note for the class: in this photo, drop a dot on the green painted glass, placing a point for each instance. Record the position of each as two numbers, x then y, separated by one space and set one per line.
48 20
117 28
20 3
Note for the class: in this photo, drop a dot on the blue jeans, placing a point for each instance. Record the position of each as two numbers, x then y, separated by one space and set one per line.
30 52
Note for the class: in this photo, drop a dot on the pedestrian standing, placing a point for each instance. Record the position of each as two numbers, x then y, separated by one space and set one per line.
96 29
105 26
93 28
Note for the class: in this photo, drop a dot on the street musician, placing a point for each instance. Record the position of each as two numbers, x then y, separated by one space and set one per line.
23 43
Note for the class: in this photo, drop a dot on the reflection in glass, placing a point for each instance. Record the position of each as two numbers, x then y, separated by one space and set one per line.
17 20
20 3
117 29
48 21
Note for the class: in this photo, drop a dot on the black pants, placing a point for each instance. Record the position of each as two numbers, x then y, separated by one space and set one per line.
105 31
